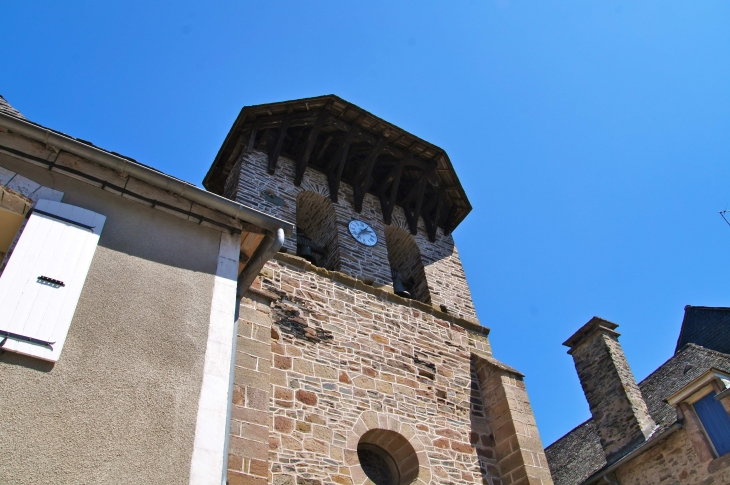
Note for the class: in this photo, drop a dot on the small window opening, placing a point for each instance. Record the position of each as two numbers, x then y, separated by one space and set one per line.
387 458
409 277
317 230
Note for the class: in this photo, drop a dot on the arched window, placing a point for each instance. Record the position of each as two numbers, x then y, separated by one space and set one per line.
409 277
317 230
387 458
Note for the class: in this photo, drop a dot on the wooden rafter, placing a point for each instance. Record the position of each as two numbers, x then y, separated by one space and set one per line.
337 166
303 159
274 154
297 128
430 219
364 176
389 190
416 195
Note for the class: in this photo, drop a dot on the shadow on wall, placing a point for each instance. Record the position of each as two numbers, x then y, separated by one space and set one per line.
33 363
406 264
317 230
481 436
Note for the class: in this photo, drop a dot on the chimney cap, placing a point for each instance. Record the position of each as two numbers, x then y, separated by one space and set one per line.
595 324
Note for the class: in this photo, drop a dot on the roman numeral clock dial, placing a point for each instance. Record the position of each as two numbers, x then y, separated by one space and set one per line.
363 233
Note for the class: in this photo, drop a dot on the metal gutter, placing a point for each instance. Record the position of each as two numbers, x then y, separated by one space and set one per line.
269 246
600 474
146 174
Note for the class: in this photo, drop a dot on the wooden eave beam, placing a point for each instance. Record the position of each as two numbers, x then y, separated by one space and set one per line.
419 204
364 177
430 220
334 174
387 201
303 159
318 117
416 194
274 154
252 138
448 221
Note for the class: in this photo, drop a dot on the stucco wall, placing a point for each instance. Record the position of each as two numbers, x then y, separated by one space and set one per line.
120 405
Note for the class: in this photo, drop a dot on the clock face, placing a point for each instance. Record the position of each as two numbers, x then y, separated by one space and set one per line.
363 233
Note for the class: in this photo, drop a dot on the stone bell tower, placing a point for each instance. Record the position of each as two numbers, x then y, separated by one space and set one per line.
359 354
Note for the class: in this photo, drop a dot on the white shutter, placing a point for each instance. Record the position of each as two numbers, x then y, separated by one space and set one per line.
57 244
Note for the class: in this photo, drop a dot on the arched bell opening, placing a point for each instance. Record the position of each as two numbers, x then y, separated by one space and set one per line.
409 277
387 458
317 230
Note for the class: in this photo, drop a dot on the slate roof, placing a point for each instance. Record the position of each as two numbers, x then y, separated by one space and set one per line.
578 455
9 110
706 326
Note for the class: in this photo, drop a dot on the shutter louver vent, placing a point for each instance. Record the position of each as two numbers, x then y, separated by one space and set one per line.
43 278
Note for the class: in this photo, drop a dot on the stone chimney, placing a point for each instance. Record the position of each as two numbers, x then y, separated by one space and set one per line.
619 411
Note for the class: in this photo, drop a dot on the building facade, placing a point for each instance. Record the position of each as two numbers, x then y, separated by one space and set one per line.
359 355
117 315
671 428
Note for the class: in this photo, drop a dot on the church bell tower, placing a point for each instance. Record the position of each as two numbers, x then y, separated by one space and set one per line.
359 357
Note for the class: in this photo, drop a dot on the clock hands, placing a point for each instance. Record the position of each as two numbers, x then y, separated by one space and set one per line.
363 233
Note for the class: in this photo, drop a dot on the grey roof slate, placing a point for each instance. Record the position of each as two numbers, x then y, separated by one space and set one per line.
9 110
706 326
578 455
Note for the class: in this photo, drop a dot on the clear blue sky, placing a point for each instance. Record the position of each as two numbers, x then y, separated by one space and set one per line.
593 138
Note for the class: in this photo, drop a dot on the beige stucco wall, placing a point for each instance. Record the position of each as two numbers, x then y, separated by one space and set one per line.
120 405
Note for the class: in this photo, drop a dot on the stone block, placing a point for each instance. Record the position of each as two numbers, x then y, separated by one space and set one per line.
248 448
236 478
306 397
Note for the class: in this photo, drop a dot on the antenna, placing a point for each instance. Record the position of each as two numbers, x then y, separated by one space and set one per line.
722 214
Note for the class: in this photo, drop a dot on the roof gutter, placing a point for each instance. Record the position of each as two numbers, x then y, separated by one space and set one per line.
146 174
601 474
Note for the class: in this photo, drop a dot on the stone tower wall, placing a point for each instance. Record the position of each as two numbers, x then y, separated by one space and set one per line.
332 359
445 276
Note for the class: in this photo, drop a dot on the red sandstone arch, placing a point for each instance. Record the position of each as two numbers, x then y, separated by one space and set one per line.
317 218
398 439
405 257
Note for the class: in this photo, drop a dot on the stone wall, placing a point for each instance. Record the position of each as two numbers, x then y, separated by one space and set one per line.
514 443
444 273
684 458
619 411
346 363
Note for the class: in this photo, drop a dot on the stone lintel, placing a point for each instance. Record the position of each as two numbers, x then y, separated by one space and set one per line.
595 324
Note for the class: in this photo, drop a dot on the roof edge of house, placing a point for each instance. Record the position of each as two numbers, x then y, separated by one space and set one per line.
144 173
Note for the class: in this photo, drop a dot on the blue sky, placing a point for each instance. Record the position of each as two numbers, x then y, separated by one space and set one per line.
592 138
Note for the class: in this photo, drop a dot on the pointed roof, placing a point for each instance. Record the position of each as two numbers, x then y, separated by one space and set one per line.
705 326
9 110
353 146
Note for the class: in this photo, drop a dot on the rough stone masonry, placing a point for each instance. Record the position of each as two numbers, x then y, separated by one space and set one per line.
329 361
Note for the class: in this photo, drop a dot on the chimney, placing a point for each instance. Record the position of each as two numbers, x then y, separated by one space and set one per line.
619 411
